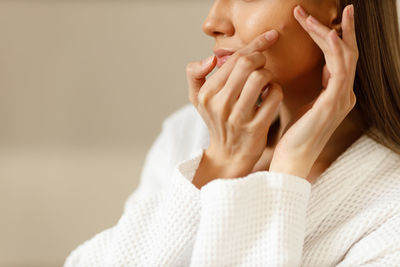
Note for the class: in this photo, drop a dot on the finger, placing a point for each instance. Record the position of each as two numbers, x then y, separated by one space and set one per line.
348 27
196 73
317 31
269 106
326 38
246 103
239 75
260 43
335 60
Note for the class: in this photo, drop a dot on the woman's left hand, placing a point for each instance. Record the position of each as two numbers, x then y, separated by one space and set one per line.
303 142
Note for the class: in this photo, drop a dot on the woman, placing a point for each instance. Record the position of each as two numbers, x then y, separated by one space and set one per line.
288 155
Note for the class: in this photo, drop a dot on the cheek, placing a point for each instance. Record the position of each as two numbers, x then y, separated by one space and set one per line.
294 55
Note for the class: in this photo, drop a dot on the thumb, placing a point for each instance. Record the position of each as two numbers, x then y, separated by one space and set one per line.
196 73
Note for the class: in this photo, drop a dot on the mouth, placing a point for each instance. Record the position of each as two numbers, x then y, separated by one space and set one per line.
222 55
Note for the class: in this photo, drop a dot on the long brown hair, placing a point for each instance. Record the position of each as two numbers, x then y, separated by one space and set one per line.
377 81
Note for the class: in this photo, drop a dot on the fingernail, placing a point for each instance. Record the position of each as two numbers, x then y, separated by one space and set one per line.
265 91
312 19
302 12
271 35
351 11
207 61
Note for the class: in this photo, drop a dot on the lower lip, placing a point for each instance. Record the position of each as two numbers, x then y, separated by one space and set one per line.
221 60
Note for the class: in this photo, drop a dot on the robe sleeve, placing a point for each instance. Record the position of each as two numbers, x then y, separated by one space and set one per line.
257 220
260 219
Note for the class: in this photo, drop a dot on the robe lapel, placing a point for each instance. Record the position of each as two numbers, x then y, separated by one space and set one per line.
354 166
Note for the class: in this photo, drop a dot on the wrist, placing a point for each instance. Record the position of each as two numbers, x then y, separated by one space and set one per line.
225 167
212 167
290 167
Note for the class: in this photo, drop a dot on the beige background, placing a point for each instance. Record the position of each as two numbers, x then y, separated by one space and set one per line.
84 87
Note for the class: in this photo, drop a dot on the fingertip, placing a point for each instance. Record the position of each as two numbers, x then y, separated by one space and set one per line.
299 11
348 14
301 16
350 11
271 35
213 61
198 70
296 13
208 67
296 9
207 62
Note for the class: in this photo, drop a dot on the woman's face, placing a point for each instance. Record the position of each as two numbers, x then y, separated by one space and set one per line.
295 56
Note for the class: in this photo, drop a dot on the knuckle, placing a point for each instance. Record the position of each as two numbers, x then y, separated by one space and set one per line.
236 118
236 56
351 106
354 49
258 55
258 76
348 106
245 62
277 90
356 54
254 125
222 108
233 120
204 98
280 94
353 100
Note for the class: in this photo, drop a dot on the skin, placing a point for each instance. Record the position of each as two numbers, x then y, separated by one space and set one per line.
295 66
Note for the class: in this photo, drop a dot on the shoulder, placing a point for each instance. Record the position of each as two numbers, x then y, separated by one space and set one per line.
383 184
187 127
185 116
182 134
380 246
389 160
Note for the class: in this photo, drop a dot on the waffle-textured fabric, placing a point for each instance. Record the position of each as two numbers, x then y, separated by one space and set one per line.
349 217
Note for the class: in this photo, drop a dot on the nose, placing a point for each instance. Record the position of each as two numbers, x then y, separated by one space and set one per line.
218 21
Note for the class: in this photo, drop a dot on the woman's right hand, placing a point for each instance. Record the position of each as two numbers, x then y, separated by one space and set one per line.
227 103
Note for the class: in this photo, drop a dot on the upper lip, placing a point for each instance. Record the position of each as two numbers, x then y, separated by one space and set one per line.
223 52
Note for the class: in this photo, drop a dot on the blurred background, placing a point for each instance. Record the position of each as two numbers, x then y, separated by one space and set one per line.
84 87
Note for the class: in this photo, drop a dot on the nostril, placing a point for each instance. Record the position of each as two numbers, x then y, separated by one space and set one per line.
216 33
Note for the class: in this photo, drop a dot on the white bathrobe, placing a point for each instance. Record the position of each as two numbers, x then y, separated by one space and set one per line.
349 217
